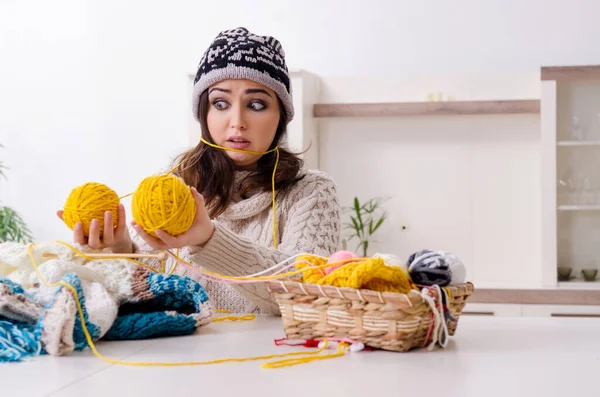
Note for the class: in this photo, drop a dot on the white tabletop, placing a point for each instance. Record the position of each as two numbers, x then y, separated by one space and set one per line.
488 356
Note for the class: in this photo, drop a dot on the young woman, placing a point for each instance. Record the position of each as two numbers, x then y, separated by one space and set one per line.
243 103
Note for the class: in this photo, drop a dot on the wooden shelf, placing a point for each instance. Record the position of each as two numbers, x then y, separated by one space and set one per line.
578 143
562 295
580 284
579 207
394 109
571 73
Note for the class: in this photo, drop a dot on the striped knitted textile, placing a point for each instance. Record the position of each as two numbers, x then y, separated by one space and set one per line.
119 300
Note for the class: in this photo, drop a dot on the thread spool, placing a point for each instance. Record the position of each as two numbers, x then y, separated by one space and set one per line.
163 202
90 201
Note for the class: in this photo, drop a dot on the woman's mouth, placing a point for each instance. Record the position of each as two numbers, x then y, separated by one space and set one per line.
238 143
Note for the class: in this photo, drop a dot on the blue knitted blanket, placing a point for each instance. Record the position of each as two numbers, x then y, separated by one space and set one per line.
119 301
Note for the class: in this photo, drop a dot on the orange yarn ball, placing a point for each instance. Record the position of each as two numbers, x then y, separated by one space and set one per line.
163 202
90 201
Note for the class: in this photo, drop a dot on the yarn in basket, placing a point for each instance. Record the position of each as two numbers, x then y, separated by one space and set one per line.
90 201
428 267
338 257
392 260
358 273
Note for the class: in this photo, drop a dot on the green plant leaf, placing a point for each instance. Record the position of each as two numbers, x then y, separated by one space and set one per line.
365 220
13 227
348 226
371 206
358 211
7 218
355 223
379 222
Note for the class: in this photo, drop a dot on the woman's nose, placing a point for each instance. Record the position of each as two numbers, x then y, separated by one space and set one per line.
238 121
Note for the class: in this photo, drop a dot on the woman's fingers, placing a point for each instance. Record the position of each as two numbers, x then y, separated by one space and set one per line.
152 241
94 237
78 236
122 222
108 236
168 240
200 206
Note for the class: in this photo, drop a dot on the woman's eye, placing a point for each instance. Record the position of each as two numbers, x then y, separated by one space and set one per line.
257 105
220 104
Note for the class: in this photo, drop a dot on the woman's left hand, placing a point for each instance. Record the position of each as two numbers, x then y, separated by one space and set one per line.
197 235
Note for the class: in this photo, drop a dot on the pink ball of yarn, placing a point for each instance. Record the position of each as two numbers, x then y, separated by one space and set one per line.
336 257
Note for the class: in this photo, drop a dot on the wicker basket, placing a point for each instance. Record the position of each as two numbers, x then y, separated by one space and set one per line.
389 320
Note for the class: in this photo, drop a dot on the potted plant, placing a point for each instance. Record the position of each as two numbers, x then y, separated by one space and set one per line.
365 220
12 225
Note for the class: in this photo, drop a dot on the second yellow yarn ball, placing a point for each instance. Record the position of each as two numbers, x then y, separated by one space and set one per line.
90 201
163 202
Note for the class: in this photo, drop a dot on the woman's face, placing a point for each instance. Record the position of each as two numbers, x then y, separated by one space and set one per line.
242 115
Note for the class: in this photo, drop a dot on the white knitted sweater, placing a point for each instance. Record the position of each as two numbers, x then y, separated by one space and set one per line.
308 221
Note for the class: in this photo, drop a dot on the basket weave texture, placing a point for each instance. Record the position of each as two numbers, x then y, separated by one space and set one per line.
389 320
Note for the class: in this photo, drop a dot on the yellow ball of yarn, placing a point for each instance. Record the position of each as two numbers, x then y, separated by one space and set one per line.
163 202
90 201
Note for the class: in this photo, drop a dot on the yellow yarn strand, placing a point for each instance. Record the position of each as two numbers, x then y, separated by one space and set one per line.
275 364
370 273
245 317
294 361
276 150
83 255
262 278
309 268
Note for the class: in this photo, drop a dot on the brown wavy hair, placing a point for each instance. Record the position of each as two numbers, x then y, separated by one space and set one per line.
211 171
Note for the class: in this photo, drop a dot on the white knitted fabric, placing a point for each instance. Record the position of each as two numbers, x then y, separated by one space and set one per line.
101 281
308 221
104 285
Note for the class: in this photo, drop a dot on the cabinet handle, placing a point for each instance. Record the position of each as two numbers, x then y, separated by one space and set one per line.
479 313
574 315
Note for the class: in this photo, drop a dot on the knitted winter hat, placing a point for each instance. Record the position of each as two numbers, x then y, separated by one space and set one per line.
240 54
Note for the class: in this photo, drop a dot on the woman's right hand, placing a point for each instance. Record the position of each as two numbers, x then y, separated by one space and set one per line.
117 239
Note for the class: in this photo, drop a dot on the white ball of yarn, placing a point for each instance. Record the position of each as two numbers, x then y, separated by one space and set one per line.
392 260
458 269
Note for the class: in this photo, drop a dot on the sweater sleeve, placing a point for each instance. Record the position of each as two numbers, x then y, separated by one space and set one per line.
312 226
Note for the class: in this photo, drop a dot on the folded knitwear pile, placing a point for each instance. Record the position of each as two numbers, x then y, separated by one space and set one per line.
119 300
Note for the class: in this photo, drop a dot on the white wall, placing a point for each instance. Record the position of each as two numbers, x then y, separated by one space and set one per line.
98 90
467 184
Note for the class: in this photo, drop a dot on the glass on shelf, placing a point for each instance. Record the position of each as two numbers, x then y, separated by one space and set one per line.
577 189
563 192
573 196
577 132
588 196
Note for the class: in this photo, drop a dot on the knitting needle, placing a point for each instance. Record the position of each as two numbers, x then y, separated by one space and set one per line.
160 256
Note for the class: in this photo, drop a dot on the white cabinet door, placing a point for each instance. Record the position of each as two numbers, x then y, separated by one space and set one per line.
561 311
492 309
